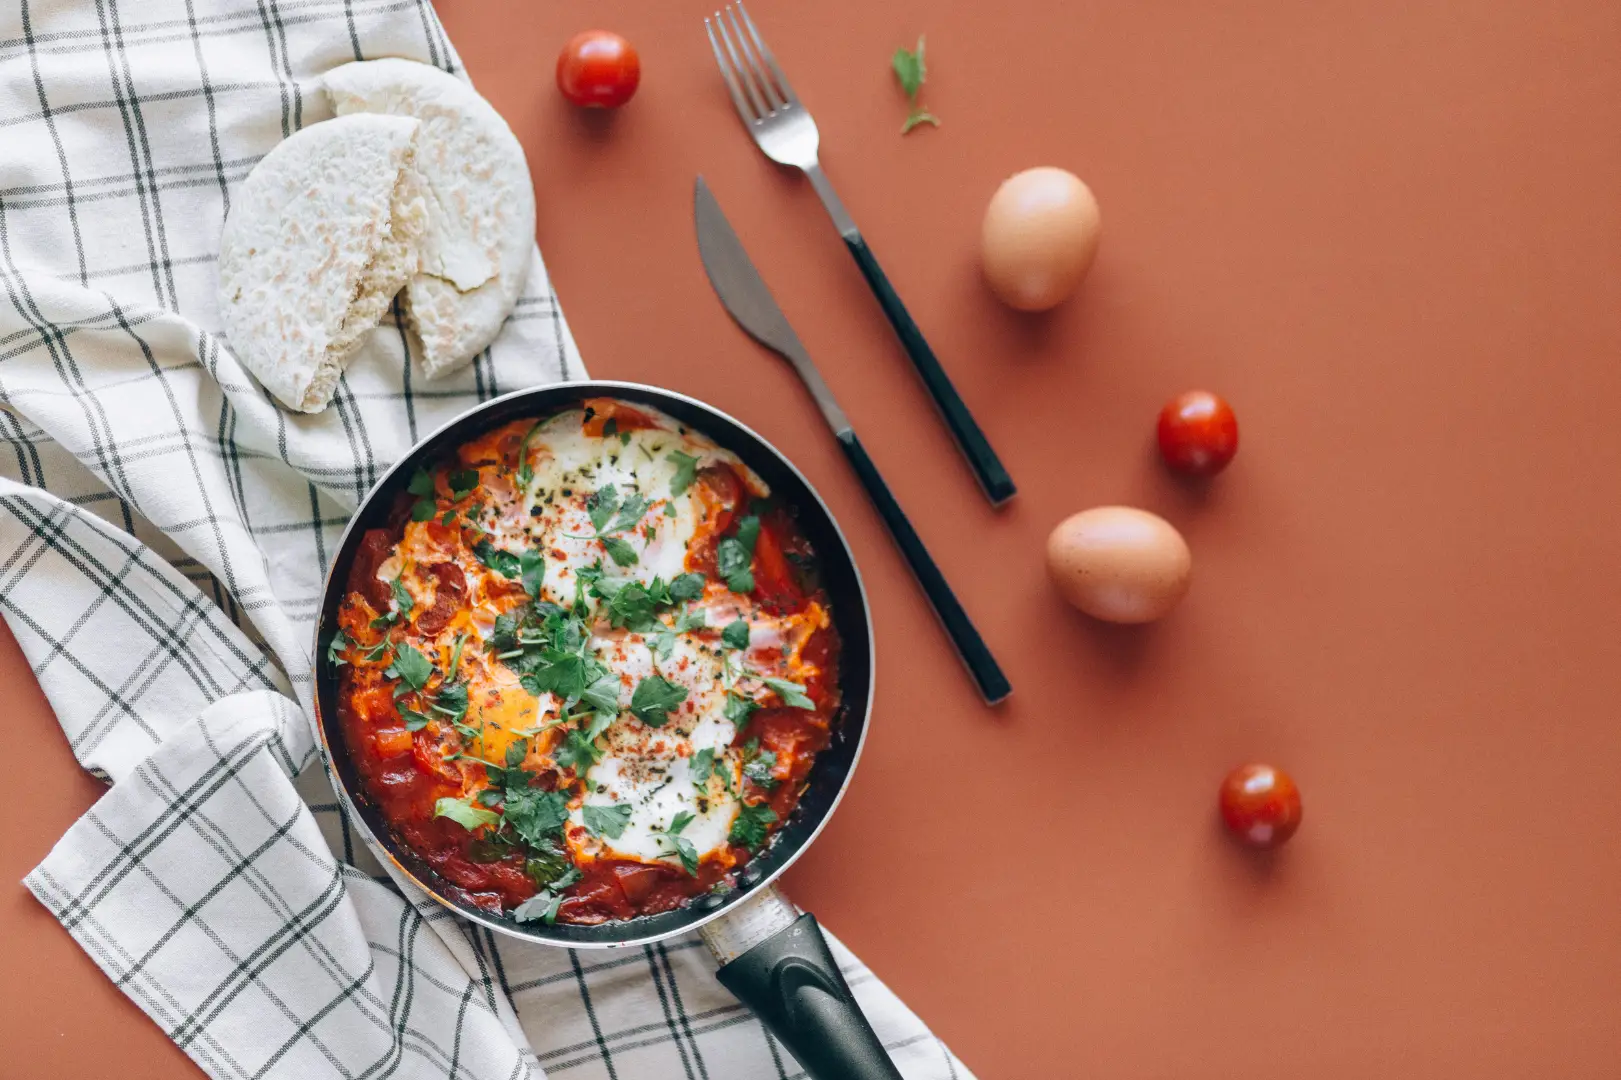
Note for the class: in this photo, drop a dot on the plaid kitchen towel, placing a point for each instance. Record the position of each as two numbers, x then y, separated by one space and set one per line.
164 528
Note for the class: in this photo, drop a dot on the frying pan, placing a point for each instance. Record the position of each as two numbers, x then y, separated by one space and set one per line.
772 957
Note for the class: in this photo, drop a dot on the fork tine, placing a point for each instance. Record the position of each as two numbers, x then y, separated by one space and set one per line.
738 100
782 79
756 68
742 73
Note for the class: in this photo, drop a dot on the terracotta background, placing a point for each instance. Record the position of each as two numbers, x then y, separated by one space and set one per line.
1390 234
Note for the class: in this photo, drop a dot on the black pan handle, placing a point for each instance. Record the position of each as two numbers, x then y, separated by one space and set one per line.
986 672
988 469
794 986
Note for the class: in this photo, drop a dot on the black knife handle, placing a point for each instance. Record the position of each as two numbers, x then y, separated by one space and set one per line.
987 674
988 469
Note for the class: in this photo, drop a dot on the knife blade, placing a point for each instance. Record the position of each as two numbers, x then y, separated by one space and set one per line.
744 295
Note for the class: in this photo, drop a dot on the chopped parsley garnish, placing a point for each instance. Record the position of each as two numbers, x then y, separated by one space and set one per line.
686 471
504 563
421 486
535 814
691 619
620 551
792 693
414 721
736 635
452 701
735 555
684 849
689 586
609 821
410 666
544 904
532 568
402 599
526 473
456 657
739 708
631 605
464 813
608 515
462 483
757 764
579 750
334 649
662 643
751 826
703 766
910 70
653 699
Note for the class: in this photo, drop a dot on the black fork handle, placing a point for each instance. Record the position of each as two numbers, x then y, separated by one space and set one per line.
988 469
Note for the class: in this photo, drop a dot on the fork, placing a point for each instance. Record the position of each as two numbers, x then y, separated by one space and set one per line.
786 133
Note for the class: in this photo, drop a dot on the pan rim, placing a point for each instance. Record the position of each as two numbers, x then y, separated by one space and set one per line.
739 896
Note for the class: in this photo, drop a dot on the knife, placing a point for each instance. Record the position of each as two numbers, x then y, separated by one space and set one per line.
744 295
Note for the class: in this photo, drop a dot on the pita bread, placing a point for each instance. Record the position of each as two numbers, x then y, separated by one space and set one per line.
481 204
320 238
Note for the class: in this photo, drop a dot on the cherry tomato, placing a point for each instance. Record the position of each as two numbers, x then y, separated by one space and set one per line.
1198 433
1260 805
598 68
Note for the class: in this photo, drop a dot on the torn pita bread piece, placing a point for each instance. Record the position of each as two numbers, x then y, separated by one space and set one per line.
481 204
321 236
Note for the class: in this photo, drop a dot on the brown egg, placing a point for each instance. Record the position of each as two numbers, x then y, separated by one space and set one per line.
1039 238
1119 564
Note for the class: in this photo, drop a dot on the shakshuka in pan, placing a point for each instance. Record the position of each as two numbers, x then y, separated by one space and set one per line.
585 669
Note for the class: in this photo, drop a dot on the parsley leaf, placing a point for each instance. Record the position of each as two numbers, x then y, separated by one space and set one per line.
603 694
662 643
758 765
410 666
421 484
462 482
414 721
684 849
423 509
504 563
544 904
689 586
334 650
703 766
402 599
686 471
735 554
911 71
655 696
631 606
464 813
609 821
792 693
579 751
532 567
739 709
630 512
602 506
620 550
736 635
691 619
751 826
534 814
452 701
